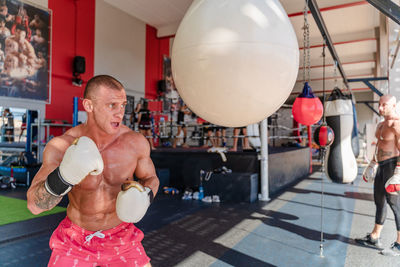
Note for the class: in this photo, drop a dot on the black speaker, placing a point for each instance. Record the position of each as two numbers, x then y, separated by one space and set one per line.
79 65
161 86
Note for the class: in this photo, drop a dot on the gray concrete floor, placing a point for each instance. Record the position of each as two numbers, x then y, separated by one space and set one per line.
283 232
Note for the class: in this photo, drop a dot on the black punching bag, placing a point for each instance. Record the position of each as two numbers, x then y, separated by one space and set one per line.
341 164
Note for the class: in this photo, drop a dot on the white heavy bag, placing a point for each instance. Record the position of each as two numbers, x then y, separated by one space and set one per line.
235 62
340 162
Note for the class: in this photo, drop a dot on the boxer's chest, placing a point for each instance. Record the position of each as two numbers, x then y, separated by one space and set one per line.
119 165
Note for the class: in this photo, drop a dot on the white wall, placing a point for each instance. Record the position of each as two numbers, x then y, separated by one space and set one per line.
120 47
364 114
38 3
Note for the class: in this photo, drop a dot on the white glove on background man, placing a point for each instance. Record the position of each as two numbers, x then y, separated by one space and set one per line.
370 172
133 201
393 184
80 159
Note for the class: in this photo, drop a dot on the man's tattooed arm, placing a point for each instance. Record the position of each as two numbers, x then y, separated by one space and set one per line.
43 199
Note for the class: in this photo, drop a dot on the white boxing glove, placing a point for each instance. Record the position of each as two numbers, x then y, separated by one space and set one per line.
133 201
392 185
80 159
370 172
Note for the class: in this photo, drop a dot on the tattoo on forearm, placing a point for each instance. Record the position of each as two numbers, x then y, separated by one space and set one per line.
383 154
44 200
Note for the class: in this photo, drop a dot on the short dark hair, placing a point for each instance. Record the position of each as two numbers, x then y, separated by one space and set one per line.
101 80
20 27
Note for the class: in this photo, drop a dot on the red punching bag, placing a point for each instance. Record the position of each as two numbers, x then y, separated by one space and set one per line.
307 108
324 135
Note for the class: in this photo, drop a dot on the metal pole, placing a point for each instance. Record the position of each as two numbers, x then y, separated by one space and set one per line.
28 146
264 160
75 114
39 138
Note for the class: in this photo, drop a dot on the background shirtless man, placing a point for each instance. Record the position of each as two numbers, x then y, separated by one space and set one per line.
384 170
92 162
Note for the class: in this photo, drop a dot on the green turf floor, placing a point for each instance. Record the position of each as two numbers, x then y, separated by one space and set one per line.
15 210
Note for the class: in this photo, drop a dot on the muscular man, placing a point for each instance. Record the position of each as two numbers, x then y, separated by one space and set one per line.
95 163
17 46
387 172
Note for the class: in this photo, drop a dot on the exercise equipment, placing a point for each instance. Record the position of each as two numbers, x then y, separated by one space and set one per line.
341 162
324 136
307 108
235 62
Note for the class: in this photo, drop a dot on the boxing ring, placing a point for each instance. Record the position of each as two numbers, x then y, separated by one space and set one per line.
180 168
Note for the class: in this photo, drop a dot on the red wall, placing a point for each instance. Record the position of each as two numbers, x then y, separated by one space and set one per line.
69 40
155 49
64 38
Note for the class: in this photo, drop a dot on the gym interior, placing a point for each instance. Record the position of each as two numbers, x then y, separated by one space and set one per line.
259 151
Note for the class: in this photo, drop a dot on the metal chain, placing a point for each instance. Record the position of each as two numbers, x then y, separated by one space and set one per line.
321 244
335 73
306 45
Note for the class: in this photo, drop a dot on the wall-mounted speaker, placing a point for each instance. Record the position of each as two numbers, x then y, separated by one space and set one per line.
79 65
161 86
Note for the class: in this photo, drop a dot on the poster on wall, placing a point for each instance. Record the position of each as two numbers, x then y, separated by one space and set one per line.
24 50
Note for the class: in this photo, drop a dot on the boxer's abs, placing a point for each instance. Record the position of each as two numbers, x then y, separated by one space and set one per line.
93 210
386 150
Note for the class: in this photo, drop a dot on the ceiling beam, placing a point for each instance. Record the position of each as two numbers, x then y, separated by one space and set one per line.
337 77
342 43
312 5
301 13
367 81
388 8
343 63
366 89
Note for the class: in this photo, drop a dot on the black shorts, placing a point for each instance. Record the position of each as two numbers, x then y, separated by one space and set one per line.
145 125
182 124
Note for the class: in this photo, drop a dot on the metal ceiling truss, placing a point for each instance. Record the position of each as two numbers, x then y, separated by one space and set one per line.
367 81
368 104
388 8
315 11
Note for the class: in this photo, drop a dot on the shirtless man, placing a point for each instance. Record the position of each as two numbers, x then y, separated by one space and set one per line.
384 171
38 39
94 163
18 46
36 22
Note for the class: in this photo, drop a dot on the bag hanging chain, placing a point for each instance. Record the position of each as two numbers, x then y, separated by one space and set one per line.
335 73
306 46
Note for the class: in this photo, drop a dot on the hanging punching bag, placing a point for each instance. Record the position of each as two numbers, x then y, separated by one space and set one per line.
341 165
355 144
324 136
307 109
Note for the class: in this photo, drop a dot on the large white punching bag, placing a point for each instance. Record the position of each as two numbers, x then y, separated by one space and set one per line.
235 62
341 164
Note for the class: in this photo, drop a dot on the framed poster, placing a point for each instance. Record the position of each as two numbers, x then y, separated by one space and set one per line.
24 50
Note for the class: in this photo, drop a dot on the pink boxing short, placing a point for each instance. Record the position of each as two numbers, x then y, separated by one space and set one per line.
118 246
